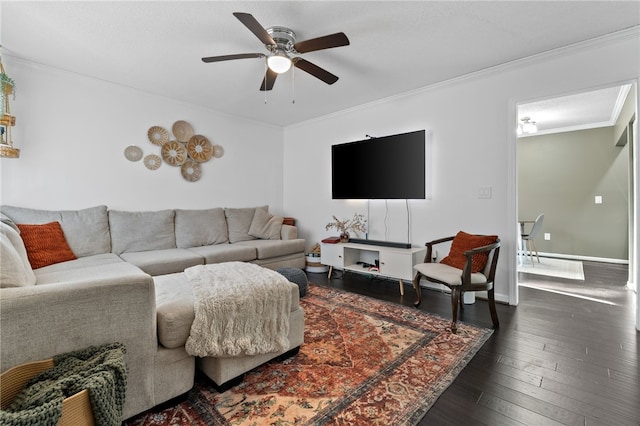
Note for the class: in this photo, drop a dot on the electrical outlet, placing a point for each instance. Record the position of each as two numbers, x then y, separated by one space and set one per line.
547 236
598 199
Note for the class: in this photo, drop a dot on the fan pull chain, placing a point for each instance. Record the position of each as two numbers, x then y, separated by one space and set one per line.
293 85
266 66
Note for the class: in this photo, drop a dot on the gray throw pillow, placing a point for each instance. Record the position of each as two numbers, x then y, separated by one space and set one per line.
265 225
7 221
15 269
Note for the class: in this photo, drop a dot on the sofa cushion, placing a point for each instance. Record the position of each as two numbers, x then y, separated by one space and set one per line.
174 307
195 228
225 253
269 248
121 272
15 269
141 231
239 221
265 225
159 262
295 260
45 244
79 263
86 230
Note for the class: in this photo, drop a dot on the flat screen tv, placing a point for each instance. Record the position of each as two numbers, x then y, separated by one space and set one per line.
389 167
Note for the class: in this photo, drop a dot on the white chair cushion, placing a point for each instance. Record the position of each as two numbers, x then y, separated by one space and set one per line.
447 274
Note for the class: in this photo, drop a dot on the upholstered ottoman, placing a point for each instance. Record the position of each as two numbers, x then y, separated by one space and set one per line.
175 299
296 276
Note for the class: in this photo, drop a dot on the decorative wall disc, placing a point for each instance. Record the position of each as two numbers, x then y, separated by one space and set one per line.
133 153
191 170
152 161
158 135
218 151
174 153
182 131
199 148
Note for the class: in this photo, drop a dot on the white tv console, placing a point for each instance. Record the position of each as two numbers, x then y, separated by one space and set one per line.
394 262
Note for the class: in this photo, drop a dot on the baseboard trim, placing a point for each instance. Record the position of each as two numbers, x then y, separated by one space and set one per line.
579 257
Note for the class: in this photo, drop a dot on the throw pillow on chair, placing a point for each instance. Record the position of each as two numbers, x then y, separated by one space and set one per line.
469 266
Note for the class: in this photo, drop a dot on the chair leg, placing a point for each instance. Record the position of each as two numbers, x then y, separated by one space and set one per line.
416 286
455 297
461 298
530 250
536 250
492 308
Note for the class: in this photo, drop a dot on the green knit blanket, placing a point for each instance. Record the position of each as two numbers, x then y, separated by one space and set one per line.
100 369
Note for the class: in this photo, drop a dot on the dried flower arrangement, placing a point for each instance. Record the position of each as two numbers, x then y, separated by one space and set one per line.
356 224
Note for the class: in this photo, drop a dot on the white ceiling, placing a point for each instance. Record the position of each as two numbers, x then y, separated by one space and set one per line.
586 110
396 46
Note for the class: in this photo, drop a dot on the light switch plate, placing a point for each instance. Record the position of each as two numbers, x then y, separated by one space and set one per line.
484 192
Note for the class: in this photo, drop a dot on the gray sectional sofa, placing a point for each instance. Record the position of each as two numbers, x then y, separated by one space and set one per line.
127 285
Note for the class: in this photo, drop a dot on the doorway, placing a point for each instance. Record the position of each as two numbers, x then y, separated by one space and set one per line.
574 163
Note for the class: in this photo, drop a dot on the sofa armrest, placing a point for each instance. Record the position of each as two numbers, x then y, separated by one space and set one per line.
41 321
289 232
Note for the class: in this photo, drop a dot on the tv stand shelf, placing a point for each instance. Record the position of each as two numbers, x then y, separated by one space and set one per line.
394 262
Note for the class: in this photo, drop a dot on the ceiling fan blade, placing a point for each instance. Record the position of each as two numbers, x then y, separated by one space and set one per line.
269 80
325 42
315 70
254 26
232 57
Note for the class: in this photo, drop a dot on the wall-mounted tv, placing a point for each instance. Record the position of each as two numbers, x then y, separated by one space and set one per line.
389 167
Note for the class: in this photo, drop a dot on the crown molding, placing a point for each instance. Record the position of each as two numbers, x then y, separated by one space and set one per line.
617 108
632 33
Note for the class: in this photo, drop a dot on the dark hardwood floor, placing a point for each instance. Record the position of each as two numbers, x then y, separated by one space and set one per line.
554 360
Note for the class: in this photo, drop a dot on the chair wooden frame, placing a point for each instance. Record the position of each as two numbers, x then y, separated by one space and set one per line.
457 291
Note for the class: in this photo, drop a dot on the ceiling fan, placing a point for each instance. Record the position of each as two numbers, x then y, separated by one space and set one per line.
281 44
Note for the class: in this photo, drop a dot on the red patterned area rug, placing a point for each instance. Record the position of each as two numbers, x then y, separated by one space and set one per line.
363 362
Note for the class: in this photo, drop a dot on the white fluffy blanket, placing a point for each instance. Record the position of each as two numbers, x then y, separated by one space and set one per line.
240 308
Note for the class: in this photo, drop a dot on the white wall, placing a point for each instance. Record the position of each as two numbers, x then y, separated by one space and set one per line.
72 132
472 124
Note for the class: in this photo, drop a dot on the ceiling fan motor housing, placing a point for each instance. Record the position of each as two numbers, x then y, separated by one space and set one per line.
285 39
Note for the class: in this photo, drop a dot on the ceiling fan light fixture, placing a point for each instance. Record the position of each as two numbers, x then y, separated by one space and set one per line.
527 126
279 62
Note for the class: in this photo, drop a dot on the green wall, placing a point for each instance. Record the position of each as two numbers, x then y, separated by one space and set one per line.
560 175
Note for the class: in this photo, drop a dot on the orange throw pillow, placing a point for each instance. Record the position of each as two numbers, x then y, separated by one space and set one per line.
45 244
463 242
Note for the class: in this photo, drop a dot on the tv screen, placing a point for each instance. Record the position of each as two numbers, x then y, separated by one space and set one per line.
389 167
